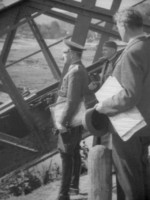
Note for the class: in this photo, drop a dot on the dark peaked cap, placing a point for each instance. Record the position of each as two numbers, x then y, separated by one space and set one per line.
110 44
74 46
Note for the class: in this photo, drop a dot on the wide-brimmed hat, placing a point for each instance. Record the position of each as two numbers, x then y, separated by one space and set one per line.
96 123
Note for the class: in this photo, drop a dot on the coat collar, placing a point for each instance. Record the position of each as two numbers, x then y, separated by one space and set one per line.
135 40
138 36
78 62
131 43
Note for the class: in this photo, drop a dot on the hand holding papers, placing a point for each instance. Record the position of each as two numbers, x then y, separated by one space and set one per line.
126 123
110 88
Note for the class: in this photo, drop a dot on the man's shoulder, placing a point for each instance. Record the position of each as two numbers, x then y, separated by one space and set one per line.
76 68
138 43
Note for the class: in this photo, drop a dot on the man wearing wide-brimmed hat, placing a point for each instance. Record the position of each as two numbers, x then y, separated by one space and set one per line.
74 89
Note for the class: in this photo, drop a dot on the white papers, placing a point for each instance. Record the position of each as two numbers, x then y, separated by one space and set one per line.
126 123
110 88
57 111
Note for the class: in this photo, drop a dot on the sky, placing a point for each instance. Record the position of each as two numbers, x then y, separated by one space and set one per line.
107 3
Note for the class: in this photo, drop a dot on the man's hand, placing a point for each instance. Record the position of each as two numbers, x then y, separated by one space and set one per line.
94 85
61 128
99 107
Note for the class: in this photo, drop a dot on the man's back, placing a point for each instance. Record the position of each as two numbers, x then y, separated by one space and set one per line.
133 72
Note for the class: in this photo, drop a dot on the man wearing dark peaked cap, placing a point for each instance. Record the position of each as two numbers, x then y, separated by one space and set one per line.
74 89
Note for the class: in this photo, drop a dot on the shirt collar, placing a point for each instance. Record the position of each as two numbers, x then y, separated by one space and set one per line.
110 59
74 63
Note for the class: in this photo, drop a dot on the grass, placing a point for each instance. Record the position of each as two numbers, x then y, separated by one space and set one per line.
34 72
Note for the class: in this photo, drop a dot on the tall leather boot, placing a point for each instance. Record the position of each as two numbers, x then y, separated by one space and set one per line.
74 187
66 176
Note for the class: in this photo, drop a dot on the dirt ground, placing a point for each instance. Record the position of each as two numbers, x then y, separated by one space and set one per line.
50 191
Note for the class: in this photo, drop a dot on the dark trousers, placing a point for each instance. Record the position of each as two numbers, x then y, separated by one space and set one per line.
127 158
69 148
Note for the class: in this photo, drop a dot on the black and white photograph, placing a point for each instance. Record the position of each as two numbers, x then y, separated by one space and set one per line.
74 99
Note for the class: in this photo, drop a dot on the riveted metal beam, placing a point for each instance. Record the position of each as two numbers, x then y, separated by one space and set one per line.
46 52
14 141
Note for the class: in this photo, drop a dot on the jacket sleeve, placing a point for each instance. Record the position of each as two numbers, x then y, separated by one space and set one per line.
130 75
74 96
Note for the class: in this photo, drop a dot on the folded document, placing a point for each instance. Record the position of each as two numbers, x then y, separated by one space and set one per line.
126 123
57 111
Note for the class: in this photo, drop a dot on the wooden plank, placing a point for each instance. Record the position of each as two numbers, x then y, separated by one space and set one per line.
8 139
46 52
100 173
